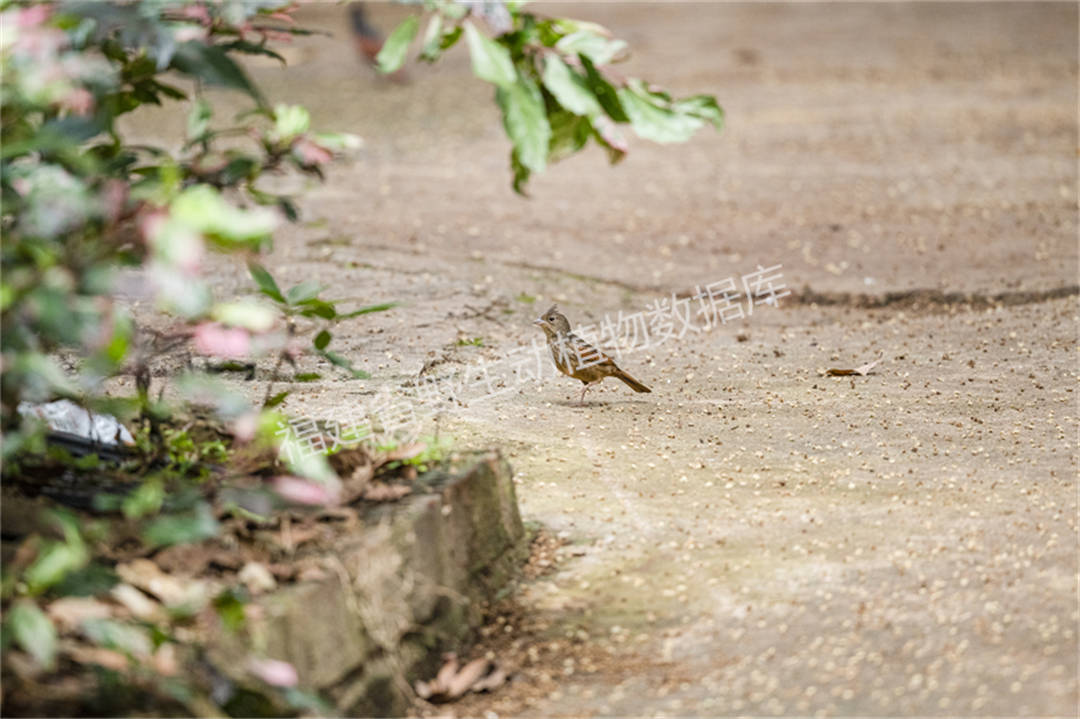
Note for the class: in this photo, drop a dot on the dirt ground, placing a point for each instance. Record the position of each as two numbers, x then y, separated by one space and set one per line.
751 537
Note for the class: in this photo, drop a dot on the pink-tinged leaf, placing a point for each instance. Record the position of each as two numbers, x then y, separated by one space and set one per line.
225 342
283 15
304 491
245 426
310 153
79 101
173 242
198 13
32 16
277 36
606 128
114 197
274 672
150 222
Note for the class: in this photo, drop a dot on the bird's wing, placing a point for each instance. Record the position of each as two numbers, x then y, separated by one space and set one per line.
589 355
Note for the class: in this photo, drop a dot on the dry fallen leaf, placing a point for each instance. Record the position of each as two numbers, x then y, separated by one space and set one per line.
70 612
357 467
861 371
385 492
454 681
165 661
447 670
190 594
140 605
491 682
352 461
464 680
108 658
257 578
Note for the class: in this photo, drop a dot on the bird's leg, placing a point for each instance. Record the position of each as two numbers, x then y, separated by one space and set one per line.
583 391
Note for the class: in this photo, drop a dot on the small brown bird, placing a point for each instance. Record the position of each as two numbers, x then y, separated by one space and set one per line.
577 358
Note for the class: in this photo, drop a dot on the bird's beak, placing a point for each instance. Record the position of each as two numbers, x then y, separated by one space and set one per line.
538 322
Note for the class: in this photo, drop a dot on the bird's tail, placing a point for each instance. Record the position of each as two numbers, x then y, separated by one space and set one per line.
631 382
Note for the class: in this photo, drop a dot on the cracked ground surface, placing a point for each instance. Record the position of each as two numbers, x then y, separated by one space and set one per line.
752 537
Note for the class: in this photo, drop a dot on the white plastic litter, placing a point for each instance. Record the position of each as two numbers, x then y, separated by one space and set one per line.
65 416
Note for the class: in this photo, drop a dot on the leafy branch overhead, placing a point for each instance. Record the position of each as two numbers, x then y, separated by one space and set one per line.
78 199
553 82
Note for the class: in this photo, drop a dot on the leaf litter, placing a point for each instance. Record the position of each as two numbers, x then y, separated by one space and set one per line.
454 680
256 551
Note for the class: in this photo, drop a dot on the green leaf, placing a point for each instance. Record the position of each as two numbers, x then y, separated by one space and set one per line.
307 377
265 281
703 106
91 580
568 26
569 88
369 309
432 45
288 208
275 400
652 121
240 167
57 559
450 38
33 632
106 359
198 121
337 141
169 91
597 48
392 55
490 60
145 500
337 360
290 121
202 208
303 292
308 703
525 120
521 174
322 339
247 314
318 308
212 65
54 563
112 634
193 526
250 48
453 10
603 90
569 133
229 605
